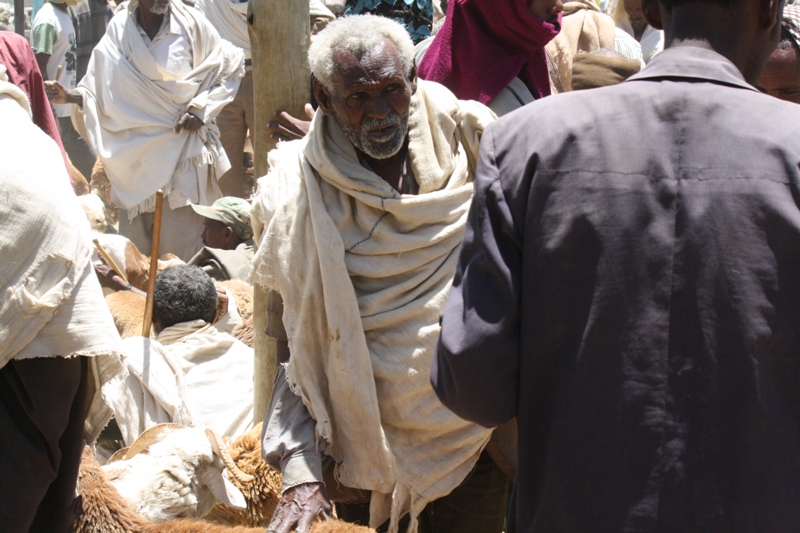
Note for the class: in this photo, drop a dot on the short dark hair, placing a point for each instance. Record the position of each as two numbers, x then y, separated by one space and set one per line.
787 39
183 293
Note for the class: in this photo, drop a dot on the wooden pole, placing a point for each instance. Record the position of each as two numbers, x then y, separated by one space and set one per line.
279 38
151 281
19 16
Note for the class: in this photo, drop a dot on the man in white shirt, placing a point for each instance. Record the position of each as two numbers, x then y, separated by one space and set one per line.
54 43
153 87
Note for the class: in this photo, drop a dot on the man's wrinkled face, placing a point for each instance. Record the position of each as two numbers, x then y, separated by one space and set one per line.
633 8
371 98
781 76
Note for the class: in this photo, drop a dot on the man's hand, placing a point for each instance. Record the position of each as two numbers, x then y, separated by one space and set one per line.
56 92
288 128
222 305
299 507
188 122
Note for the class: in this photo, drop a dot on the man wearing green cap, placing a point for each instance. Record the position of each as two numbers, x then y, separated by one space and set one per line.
228 239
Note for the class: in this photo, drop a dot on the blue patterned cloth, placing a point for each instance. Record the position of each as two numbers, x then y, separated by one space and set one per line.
415 15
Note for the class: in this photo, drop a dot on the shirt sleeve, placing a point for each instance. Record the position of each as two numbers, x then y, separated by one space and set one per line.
478 352
44 36
289 441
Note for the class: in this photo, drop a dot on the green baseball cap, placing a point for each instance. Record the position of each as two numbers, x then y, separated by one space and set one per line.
231 211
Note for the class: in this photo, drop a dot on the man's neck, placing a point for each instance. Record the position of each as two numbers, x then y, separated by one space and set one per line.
712 26
149 21
60 7
391 168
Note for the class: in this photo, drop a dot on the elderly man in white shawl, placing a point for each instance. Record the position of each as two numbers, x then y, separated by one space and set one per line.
359 224
154 85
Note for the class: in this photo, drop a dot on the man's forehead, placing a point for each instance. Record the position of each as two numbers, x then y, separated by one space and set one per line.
381 61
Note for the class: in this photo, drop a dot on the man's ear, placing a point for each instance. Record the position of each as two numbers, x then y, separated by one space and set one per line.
229 233
323 98
412 78
770 13
652 13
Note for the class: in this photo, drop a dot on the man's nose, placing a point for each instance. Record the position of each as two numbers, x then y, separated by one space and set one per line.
557 8
379 107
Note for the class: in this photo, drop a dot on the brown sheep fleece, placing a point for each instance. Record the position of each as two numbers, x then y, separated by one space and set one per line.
242 293
102 188
262 494
105 511
244 332
127 310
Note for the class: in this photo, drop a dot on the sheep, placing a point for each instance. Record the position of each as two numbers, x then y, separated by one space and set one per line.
261 494
244 332
179 476
135 264
102 188
105 511
242 293
81 185
94 209
127 310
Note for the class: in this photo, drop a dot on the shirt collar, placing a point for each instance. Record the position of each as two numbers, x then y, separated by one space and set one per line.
693 62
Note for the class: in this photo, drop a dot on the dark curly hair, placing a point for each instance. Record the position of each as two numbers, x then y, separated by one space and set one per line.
183 293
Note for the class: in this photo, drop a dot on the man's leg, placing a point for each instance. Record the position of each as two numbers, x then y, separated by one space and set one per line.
77 149
180 231
233 132
42 412
478 505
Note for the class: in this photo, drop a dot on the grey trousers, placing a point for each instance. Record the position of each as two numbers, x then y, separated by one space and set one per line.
180 231
42 411
478 505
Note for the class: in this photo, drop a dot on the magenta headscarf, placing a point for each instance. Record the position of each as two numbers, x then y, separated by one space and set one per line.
484 44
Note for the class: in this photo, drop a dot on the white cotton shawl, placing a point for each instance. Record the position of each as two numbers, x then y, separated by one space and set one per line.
131 106
364 273
230 20
52 304
192 374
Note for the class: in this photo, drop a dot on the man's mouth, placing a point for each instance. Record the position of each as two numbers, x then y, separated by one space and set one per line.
383 134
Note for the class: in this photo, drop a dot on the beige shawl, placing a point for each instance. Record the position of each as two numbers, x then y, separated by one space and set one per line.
364 273
583 29
131 106
52 304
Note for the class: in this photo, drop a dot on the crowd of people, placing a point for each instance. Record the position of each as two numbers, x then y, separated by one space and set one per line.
531 265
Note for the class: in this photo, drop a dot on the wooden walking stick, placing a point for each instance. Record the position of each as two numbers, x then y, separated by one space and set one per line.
110 261
151 281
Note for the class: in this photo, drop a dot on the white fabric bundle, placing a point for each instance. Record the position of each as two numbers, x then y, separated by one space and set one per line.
52 304
364 273
229 17
131 106
192 375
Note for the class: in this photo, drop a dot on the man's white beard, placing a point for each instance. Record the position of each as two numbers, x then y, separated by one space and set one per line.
360 136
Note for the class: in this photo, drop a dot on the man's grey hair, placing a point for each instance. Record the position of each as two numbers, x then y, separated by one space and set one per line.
359 35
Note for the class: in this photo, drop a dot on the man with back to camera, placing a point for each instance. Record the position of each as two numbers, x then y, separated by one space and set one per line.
637 309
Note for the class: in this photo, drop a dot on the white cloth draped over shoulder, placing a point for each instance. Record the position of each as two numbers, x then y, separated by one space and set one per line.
364 273
191 374
229 17
652 41
131 106
52 304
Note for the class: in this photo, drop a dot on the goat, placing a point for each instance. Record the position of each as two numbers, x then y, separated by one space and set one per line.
94 209
128 257
102 188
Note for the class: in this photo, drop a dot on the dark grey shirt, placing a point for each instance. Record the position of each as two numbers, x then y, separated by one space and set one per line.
629 288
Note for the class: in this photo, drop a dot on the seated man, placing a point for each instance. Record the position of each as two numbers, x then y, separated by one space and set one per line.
362 220
191 374
228 239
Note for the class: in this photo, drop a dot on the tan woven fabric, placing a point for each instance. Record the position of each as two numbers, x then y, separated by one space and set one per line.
583 29
364 273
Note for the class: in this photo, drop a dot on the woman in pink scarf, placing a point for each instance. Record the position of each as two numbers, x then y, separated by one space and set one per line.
485 44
